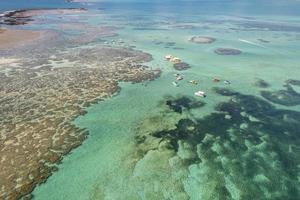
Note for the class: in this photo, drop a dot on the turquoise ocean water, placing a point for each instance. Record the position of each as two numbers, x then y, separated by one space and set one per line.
240 142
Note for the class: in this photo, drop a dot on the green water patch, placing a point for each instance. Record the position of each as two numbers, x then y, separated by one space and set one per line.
287 96
260 83
246 149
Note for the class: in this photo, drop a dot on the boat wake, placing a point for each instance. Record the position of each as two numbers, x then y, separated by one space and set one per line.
252 43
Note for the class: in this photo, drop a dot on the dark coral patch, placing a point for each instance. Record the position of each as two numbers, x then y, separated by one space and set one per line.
178 104
287 97
293 82
227 51
261 83
270 120
181 66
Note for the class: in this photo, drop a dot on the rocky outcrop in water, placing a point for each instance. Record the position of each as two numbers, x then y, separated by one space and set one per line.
202 40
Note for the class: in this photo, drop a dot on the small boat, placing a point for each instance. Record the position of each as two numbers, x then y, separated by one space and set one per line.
227 82
200 94
175 83
178 78
193 82
168 57
176 75
216 80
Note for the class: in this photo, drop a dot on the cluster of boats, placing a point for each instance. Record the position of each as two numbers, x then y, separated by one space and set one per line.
179 77
218 80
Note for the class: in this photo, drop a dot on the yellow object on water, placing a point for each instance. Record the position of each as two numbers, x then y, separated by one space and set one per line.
193 82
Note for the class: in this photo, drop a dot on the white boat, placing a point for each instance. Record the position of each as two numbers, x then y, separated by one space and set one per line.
175 83
200 94
168 57
227 82
178 78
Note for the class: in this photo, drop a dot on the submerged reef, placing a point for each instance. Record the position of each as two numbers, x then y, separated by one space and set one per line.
183 26
246 149
227 51
167 44
180 66
267 26
263 41
261 83
287 97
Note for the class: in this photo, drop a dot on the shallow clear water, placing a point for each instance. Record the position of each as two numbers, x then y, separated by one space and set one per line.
254 156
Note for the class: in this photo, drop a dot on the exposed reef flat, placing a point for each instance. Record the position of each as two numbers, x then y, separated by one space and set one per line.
43 89
12 38
227 51
202 39
38 105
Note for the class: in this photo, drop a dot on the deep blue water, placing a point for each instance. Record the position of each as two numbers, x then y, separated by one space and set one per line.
245 7
23 4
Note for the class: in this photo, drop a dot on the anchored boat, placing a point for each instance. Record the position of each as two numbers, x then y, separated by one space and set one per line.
200 94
